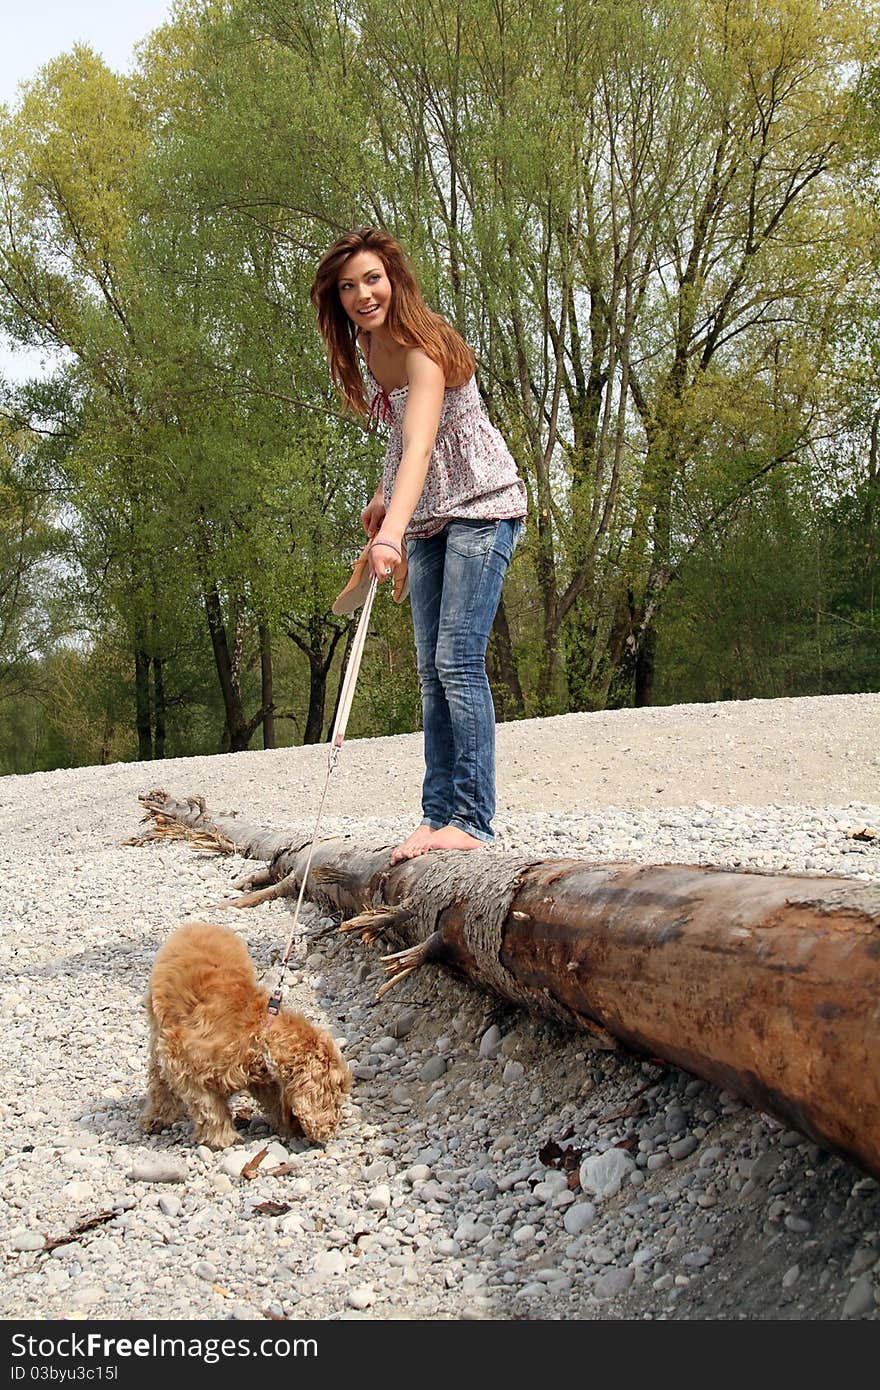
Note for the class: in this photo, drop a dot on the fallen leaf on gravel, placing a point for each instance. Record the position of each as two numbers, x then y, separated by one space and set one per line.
553 1155
88 1224
281 1171
250 1168
218 1288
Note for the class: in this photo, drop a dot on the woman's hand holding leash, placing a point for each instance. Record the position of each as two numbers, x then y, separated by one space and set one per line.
385 556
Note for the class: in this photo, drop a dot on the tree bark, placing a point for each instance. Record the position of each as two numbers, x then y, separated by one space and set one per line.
767 985
159 706
238 735
143 712
267 687
317 639
645 669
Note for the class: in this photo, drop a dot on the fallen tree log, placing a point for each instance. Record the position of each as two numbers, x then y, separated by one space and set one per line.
767 985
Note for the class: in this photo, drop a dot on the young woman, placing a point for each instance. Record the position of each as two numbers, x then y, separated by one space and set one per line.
449 491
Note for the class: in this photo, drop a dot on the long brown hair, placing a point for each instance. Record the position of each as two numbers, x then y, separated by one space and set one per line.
410 322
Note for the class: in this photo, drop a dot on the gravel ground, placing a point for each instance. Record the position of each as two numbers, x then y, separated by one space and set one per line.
439 1197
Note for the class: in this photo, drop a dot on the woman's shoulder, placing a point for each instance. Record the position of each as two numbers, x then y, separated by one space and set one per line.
421 367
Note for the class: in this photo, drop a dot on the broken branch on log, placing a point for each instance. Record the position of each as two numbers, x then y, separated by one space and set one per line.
767 985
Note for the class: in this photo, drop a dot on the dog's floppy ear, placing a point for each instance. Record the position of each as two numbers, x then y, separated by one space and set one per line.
321 1081
312 1074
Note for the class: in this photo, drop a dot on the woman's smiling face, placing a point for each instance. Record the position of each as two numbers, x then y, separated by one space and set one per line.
364 289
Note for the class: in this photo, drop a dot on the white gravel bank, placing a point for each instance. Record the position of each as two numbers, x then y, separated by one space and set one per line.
437 1198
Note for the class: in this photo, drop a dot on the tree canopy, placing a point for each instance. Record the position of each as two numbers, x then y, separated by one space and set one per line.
657 225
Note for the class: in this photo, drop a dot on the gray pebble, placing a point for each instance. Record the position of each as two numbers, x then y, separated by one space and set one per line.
578 1217
599 1255
77 1191
469 1232
697 1259
532 1290
683 1148
158 1169
524 1235
362 1297
797 1224
612 1283
860 1299
485 1183
603 1174
232 1161
26 1240
418 1172
89 1296
657 1161
863 1259
329 1263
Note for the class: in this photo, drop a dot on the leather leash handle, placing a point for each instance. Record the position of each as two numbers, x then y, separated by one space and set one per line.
349 680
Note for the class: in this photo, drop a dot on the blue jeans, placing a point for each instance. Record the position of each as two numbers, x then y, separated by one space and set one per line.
455 580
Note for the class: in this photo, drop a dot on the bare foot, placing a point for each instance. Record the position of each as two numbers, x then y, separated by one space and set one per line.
450 837
411 844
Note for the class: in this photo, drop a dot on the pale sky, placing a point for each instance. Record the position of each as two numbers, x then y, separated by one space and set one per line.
35 31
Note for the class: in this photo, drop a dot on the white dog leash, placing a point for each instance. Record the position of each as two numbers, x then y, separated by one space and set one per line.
346 696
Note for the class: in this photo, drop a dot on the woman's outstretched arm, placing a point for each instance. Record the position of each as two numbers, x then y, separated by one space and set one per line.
421 419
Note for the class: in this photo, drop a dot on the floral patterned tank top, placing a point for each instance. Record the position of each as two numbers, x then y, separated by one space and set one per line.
472 473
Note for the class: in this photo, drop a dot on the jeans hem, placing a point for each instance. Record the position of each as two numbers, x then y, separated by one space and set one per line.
488 839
